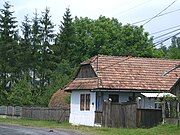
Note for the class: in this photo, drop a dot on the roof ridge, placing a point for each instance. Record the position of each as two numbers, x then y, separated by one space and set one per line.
138 57
92 59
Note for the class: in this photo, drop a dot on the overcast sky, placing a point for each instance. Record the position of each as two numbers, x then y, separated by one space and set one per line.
126 11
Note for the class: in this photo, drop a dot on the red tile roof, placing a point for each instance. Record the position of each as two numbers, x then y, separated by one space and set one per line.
129 73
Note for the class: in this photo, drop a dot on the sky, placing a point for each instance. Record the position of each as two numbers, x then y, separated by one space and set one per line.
126 11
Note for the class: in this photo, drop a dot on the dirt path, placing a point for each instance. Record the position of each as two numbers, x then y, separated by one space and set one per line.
22 130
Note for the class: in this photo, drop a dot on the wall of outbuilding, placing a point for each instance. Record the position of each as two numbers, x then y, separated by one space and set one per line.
78 117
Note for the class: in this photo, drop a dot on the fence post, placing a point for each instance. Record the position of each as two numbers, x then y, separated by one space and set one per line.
106 114
163 112
109 114
178 113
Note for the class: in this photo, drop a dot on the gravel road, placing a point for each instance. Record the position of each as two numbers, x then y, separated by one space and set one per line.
21 130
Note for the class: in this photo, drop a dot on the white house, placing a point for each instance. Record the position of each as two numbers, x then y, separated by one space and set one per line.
121 80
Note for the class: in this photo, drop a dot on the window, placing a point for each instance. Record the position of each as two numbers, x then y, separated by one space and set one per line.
85 102
114 98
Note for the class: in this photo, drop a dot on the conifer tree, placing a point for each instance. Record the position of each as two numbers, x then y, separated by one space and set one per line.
47 65
25 45
35 46
9 70
66 36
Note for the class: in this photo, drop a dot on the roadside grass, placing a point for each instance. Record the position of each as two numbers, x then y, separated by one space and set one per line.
165 129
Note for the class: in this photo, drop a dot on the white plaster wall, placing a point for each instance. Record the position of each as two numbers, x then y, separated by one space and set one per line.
78 117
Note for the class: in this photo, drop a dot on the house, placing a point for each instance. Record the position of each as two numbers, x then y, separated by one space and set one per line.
120 79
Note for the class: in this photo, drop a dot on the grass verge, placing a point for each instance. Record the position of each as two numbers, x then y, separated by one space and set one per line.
165 129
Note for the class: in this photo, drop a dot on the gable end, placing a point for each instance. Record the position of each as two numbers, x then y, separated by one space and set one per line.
86 71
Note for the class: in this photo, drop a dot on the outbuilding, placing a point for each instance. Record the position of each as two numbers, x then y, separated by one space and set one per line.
120 79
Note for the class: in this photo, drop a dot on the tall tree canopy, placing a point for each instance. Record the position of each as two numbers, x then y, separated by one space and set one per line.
46 54
174 48
65 38
25 45
108 36
9 68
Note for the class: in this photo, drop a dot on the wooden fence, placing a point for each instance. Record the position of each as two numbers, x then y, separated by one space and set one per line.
39 113
119 115
127 115
148 117
11 111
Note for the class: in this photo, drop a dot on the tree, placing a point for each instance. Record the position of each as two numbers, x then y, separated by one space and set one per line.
21 94
66 36
35 46
47 64
9 68
174 48
25 45
135 42
108 36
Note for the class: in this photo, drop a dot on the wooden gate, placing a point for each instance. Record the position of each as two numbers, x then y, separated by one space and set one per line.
119 115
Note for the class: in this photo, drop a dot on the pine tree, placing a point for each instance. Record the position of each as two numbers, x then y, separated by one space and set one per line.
25 45
47 65
35 46
66 37
9 70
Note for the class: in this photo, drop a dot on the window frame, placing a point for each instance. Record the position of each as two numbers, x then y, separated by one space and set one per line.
85 100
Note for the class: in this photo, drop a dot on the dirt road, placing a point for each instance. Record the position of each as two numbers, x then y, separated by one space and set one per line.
21 130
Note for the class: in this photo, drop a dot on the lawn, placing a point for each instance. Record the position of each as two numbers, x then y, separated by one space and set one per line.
158 130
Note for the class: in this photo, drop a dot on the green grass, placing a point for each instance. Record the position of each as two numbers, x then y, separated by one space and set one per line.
165 129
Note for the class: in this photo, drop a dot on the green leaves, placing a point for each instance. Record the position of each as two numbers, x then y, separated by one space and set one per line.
66 37
21 94
173 51
110 37
8 49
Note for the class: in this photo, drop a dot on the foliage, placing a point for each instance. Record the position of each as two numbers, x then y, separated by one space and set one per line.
65 38
108 36
25 45
174 49
35 46
9 68
21 94
46 63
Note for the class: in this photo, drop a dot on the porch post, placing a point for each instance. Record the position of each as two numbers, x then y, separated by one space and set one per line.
178 113
163 112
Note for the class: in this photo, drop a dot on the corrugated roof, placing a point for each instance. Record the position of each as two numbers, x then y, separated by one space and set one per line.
133 73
